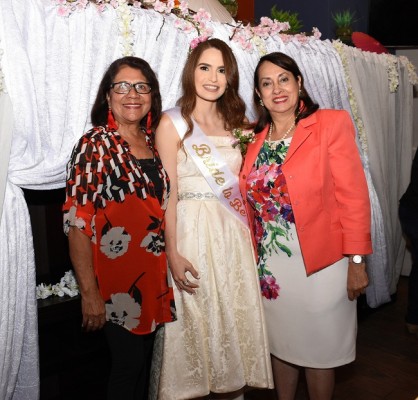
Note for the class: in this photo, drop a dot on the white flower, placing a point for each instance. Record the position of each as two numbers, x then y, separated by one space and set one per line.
115 242
43 291
70 219
123 310
67 286
153 243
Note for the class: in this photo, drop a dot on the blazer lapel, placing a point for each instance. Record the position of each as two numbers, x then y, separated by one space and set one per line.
253 149
303 131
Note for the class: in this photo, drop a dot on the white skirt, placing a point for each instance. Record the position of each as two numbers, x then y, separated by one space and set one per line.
312 323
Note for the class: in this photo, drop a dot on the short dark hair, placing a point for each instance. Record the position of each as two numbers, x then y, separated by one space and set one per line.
289 64
100 106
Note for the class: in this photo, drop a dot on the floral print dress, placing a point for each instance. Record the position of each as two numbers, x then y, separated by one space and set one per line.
119 203
310 320
274 218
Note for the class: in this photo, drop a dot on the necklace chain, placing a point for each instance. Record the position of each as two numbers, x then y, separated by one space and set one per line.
284 135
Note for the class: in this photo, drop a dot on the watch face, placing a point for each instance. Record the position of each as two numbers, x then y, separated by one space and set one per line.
357 259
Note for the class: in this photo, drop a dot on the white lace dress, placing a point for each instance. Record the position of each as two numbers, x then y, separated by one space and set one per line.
219 342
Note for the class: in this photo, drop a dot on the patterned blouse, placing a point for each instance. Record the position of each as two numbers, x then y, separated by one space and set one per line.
111 199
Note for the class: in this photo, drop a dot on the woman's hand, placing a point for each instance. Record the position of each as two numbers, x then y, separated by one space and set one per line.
94 311
168 143
92 303
179 266
357 280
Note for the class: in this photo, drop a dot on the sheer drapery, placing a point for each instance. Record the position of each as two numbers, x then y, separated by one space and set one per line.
52 67
387 118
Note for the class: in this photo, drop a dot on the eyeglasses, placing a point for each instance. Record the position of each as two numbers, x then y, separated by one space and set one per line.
125 87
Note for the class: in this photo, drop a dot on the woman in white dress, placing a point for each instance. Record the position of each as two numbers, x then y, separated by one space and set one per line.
306 187
219 343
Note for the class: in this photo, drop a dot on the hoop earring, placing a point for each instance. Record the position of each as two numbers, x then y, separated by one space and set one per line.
262 103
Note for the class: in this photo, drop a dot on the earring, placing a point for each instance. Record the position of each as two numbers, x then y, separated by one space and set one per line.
300 92
111 123
149 122
261 103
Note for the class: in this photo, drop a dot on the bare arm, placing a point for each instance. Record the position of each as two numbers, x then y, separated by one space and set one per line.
167 143
92 303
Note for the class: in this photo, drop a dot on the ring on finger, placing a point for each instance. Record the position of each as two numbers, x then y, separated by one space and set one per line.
185 282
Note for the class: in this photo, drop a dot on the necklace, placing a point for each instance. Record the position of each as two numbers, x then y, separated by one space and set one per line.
282 138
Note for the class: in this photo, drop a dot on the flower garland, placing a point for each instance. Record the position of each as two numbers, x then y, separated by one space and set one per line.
125 19
412 75
393 74
247 36
67 286
340 47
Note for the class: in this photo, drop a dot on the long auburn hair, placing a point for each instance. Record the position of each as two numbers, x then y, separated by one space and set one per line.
100 107
306 105
230 105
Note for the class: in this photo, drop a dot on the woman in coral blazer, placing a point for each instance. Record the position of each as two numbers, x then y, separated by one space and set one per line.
307 196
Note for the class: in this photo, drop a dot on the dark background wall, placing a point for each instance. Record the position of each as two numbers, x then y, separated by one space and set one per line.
318 13
393 23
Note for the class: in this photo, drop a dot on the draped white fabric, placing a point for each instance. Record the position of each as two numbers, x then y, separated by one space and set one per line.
388 120
52 67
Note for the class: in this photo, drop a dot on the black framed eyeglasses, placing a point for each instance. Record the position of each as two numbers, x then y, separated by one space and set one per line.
125 87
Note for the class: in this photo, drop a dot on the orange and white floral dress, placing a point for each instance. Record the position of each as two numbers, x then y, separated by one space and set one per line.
119 202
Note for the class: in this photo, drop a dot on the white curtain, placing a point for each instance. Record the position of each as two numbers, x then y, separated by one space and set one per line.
388 119
52 67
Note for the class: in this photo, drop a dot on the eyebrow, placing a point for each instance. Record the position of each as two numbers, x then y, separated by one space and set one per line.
279 76
209 65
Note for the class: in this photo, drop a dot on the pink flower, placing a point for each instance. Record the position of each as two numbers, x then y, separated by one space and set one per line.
301 38
266 21
63 11
269 287
201 16
285 38
316 33
159 6
184 7
195 42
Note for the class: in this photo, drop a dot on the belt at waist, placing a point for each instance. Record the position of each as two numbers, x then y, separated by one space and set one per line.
197 196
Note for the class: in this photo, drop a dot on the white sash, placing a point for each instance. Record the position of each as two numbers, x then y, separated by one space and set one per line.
212 165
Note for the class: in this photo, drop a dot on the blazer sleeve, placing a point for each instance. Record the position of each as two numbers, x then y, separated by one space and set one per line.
350 185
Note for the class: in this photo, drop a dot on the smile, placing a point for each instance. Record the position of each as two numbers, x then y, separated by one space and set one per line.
278 100
211 88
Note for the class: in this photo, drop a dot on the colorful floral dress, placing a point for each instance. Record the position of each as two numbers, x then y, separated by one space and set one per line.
119 201
310 320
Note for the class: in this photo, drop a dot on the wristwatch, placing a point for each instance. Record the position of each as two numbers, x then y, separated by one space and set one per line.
357 259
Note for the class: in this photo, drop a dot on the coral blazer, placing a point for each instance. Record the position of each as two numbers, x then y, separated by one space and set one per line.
327 188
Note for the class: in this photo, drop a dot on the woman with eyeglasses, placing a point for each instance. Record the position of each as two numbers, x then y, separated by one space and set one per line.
116 196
